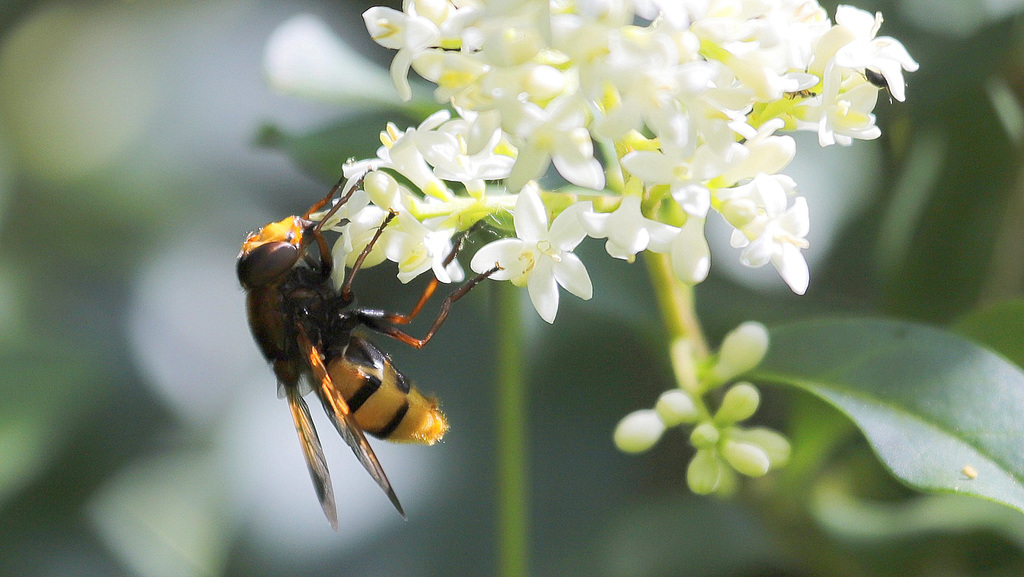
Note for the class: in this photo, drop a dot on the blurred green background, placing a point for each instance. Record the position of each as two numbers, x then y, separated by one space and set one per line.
140 433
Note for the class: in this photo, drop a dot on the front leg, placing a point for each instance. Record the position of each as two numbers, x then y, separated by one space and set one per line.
346 289
316 228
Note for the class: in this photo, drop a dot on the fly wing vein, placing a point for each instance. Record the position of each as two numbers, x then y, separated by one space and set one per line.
343 420
314 454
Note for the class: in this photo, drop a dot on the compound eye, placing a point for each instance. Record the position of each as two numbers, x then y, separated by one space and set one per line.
267 262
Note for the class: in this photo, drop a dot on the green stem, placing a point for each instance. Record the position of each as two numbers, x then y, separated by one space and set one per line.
687 346
513 493
675 299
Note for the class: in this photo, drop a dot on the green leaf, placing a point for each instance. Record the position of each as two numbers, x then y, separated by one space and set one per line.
999 327
930 403
323 152
874 521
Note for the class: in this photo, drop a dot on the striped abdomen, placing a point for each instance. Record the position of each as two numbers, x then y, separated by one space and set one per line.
381 398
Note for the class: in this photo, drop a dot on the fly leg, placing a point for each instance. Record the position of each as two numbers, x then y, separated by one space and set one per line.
346 289
459 241
326 265
384 322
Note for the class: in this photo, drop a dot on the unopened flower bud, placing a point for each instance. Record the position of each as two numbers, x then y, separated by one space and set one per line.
382 188
748 459
739 403
704 472
675 407
638 431
774 444
705 436
742 349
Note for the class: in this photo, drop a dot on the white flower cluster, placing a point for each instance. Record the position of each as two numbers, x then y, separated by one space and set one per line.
683 98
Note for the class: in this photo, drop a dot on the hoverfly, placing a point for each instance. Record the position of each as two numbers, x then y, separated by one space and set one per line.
801 94
305 328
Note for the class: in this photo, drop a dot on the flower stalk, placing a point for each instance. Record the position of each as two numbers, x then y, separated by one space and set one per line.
513 459
676 303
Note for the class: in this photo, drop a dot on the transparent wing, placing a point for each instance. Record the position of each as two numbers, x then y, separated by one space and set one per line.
338 411
314 453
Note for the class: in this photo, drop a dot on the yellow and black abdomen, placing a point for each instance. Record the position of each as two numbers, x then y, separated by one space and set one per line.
382 400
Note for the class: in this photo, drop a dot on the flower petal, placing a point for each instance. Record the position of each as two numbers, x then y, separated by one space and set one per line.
385 26
695 199
567 231
531 216
595 223
543 290
625 243
649 165
792 268
796 220
691 256
505 252
531 163
572 274
758 252
580 170
400 65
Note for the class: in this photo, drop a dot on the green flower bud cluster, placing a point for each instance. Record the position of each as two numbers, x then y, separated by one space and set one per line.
723 447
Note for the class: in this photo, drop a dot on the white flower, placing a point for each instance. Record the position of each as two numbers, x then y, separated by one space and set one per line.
457 75
385 192
675 170
492 37
357 221
778 237
401 152
746 206
355 235
480 128
675 12
842 117
417 248
657 84
684 98
885 55
628 231
540 257
691 178
409 33
555 134
447 150
762 152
